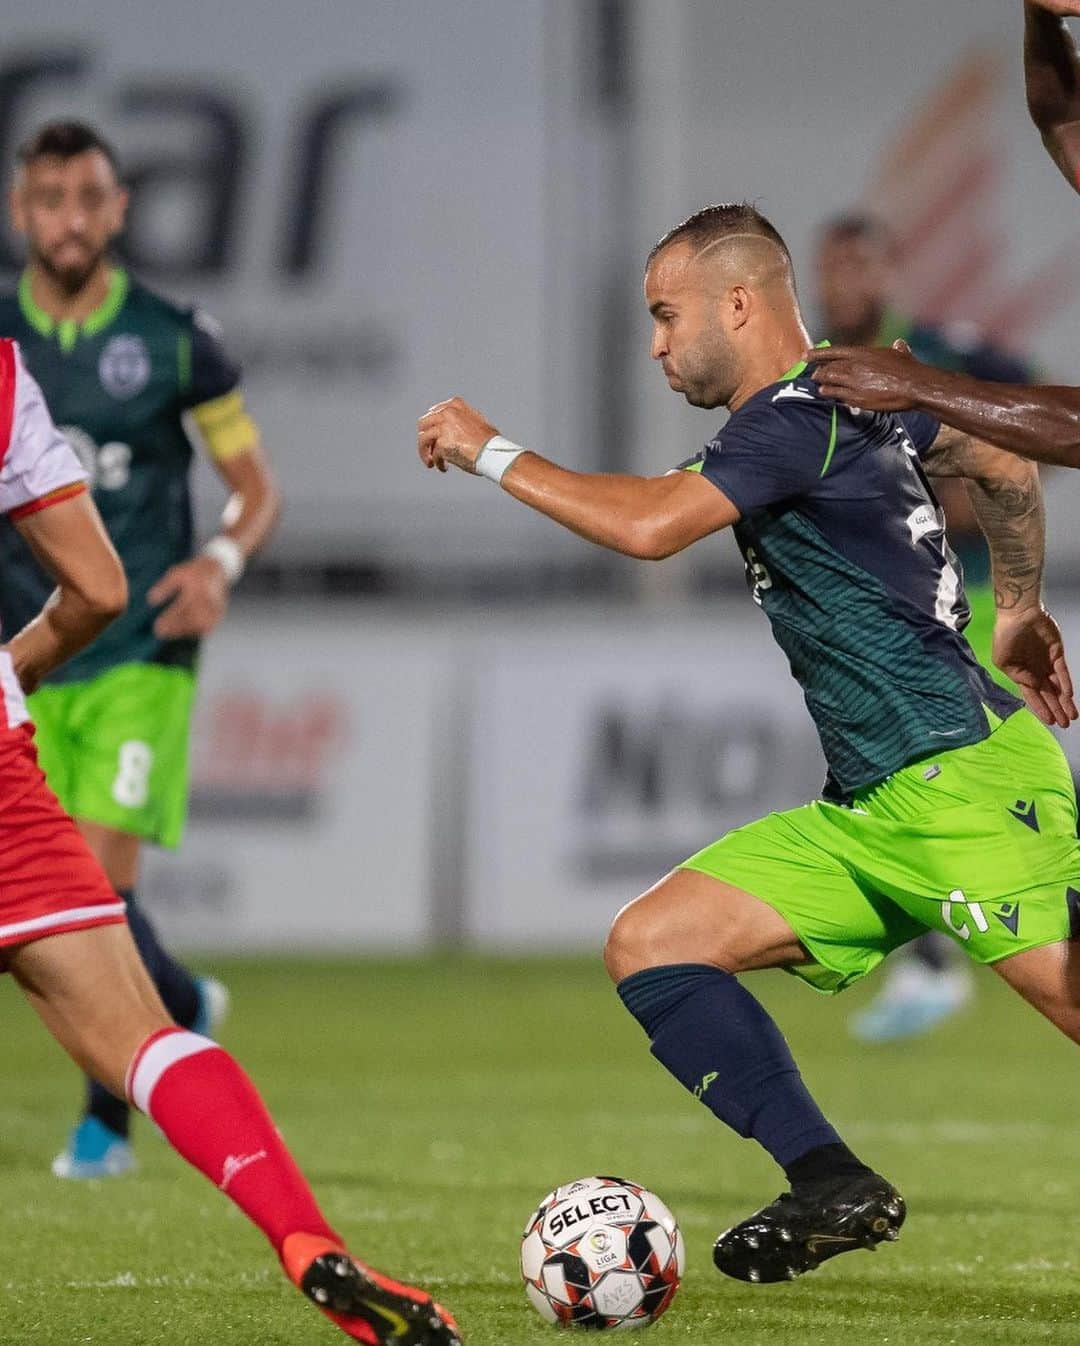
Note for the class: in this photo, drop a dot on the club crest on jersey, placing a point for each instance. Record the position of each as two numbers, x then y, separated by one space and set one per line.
124 367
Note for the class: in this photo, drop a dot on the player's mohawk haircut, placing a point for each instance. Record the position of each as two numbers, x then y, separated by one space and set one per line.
65 140
712 223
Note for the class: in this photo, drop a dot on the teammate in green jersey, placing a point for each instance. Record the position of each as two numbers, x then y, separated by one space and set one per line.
121 367
854 265
947 806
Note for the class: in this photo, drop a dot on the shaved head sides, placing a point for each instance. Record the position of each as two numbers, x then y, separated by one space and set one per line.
730 221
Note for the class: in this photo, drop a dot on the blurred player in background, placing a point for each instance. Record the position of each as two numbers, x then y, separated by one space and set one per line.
120 367
855 277
63 929
1041 423
921 826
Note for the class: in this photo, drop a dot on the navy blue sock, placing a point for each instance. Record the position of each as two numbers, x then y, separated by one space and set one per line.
719 1042
178 991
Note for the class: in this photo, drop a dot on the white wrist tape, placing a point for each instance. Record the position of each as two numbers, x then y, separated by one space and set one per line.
496 456
229 555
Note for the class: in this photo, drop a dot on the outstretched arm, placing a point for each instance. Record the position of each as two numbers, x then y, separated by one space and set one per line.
1007 500
1052 79
1042 423
646 517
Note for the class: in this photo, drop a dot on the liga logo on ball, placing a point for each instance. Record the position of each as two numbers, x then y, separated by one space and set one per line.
602 1253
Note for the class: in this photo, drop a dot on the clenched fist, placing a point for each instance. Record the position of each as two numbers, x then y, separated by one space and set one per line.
452 433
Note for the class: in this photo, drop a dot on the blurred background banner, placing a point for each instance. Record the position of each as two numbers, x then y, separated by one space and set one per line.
314 821
600 759
385 204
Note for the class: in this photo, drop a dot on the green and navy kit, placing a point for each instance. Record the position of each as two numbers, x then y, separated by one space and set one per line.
845 551
118 385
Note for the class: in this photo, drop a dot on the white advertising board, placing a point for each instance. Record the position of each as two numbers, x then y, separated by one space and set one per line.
606 752
371 236
313 772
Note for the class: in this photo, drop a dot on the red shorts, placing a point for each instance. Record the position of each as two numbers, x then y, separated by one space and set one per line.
49 879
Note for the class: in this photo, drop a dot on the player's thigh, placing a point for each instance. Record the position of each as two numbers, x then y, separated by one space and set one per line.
117 852
775 893
93 993
692 917
1048 977
132 731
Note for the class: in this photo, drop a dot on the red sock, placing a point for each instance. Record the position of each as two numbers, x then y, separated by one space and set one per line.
213 1116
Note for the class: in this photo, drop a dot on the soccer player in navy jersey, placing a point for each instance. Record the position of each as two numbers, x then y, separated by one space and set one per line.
1041 423
947 806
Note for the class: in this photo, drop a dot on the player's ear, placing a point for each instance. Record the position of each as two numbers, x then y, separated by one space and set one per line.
739 303
15 206
120 207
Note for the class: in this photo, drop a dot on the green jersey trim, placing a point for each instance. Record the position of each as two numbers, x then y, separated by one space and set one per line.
67 331
183 361
110 306
832 446
799 367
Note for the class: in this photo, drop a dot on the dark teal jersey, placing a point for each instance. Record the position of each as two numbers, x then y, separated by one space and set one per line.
845 551
118 386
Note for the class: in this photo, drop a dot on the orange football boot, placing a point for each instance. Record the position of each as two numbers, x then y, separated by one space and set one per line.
367 1306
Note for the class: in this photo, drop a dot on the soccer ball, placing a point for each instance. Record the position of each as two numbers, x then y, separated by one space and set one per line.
602 1253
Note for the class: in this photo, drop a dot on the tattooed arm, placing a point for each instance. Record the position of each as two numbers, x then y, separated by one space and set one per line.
1007 499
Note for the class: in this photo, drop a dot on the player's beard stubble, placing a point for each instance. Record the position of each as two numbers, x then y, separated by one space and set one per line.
707 372
72 276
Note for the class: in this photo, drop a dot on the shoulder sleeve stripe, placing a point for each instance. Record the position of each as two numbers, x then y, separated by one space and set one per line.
44 501
7 395
832 445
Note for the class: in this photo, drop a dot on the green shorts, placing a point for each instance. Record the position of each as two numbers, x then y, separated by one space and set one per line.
115 748
979 843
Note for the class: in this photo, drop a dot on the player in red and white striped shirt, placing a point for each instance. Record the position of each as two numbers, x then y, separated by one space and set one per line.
64 936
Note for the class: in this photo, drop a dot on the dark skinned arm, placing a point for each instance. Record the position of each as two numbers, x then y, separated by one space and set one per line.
1052 81
1041 423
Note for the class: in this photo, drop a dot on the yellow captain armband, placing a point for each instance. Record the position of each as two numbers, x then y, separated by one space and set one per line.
226 426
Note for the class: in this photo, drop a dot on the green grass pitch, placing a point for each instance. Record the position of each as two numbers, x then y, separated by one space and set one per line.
434 1102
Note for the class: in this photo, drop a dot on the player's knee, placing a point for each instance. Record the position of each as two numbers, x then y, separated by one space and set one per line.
637 940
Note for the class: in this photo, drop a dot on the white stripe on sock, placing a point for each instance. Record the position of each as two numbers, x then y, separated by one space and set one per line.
159 1057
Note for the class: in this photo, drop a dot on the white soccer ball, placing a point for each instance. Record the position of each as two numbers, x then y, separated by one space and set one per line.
602 1253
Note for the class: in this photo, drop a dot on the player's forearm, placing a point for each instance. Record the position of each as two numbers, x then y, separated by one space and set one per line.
1039 422
254 507
1008 504
68 623
1051 69
623 513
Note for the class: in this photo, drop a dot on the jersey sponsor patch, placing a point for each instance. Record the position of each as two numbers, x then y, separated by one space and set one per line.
124 367
923 522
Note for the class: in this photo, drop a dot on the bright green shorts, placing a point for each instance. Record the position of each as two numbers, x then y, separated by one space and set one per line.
115 748
979 843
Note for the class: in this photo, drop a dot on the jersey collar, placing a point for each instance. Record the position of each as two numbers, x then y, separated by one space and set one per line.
800 367
68 331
